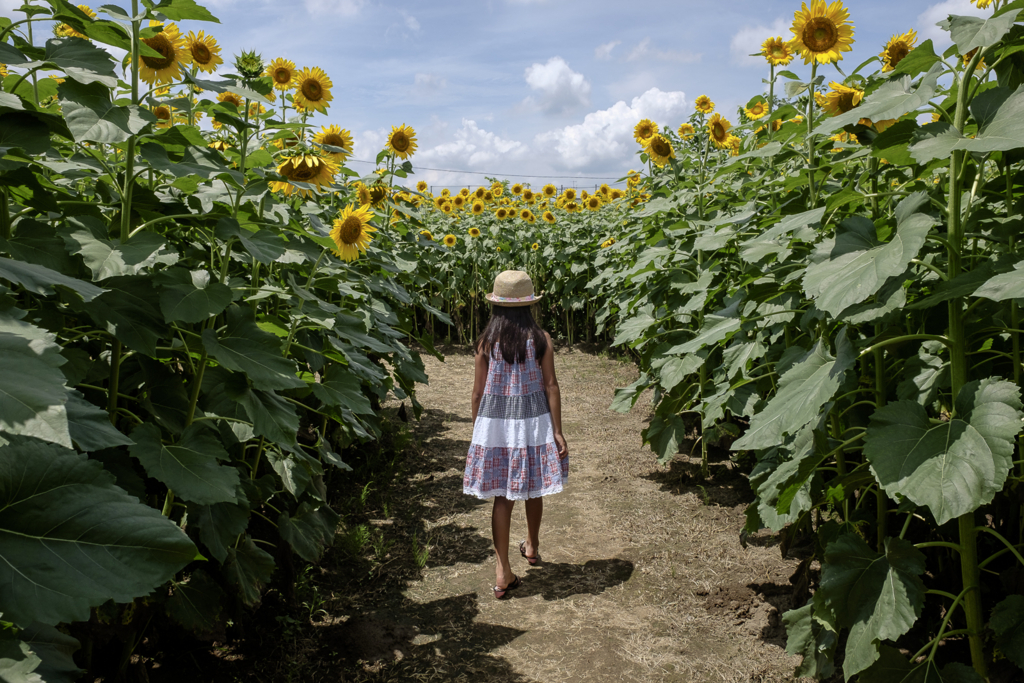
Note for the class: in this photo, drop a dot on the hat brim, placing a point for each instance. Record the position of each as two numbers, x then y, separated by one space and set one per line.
512 303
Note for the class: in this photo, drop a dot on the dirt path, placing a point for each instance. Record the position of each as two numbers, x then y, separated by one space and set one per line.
644 578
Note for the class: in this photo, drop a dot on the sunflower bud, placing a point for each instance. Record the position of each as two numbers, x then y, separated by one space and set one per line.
249 64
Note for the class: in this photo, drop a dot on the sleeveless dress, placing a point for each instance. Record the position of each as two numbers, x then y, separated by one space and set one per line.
513 452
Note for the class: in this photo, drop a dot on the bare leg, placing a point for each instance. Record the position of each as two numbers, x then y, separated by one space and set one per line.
501 522
534 512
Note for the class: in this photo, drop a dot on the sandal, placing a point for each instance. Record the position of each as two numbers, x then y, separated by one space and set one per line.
534 560
502 593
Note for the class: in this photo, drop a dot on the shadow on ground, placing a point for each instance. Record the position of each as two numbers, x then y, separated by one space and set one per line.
557 580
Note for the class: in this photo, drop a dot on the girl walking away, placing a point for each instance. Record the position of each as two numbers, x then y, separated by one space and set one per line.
518 451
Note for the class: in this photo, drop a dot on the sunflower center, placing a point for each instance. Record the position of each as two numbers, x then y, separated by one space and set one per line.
201 53
400 141
162 113
282 75
845 102
351 230
897 52
718 131
311 90
779 52
334 140
161 44
378 194
659 147
820 34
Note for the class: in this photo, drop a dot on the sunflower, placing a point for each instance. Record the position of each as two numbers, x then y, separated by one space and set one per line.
842 99
704 104
426 235
336 136
548 217
65 31
3 70
474 232
822 32
571 207
282 72
219 145
569 194
450 240
593 203
351 232
617 194
479 192
549 190
256 109
488 196
458 201
446 208
501 214
477 208
756 110
312 89
231 98
981 4
517 189
659 149
166 116
604 190
528 196
776 52
304 168
527 216
896 49
733 143
718 128
497 189
643 131
402 141
465 192
167 67
204 50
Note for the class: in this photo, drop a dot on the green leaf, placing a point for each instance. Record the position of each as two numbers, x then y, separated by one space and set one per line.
197 605
892 100
179 10
893 143
1007 622
249 569
858 266
191 297
953 467
11 55
90 426
673 370
190 466
195 161
109 258
878 597
924 375
130 310
310 531
1003 132
341 388
32 387
81 61
272 417
41 280
766 243
632 329
893 667
73 540
626 397
219 526
786 493
803 390
919 60
243 347
665 435
38 654
972 32
808 638
23 130
1005 286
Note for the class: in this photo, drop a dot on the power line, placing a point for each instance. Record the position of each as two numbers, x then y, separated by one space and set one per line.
501 175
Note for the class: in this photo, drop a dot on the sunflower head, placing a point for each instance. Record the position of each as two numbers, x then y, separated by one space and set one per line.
548 217
281 72
479 192
231 98
501 214
474 232
352 232
593 203
896 49
312 89
517 189
450 240
549 190
643 130
426 235
447 208
402 141
219 145
488 196
822 32
569 194
379 194
757 110
718 129
311 169
459 201
171 45
497 189
477 208
335 136
660 150
204 50
535 246
66 31
604 190
617 194
841 99
249 64
528 196
776 52
525 214
704 105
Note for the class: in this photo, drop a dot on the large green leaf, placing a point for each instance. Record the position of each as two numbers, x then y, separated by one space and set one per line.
23 130
877 596
249 569
189 467
191 297
32 386
90 426
858 265
194 161
92 117
952 467
972 32
80 60
109 258
803 390
197 605
665 434
38 654
179 10
272 417
42 280
71 540
342 388
786 493
309 531
809 638
774 239
219 525
1004 286
1002 132
130 310
1007 622
890 100
893 667
243 347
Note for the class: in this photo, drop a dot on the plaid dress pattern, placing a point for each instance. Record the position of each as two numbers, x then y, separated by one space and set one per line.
513 452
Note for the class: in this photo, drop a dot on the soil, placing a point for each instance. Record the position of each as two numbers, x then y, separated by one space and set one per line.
643 576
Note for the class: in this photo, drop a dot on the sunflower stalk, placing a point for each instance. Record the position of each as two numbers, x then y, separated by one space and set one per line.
810 140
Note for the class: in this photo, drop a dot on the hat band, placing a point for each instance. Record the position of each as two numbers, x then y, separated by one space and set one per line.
512 299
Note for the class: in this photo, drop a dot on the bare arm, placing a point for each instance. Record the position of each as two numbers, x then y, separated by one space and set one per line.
547 366
479 380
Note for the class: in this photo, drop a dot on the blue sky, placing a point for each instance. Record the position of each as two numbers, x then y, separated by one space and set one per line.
535 87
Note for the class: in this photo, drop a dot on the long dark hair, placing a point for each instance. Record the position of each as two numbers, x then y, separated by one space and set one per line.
511 327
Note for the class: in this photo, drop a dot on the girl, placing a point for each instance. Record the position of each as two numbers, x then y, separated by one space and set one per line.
518 451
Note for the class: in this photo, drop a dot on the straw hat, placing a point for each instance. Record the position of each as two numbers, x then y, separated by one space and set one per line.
512 288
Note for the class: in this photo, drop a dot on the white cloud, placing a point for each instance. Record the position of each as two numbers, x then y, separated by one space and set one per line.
472 149
604 52
367 144
607 135
644 51
429 84
411 22
560 88
345 8
927 30
748 40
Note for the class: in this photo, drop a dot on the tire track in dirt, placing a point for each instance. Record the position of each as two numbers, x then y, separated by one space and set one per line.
643 576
